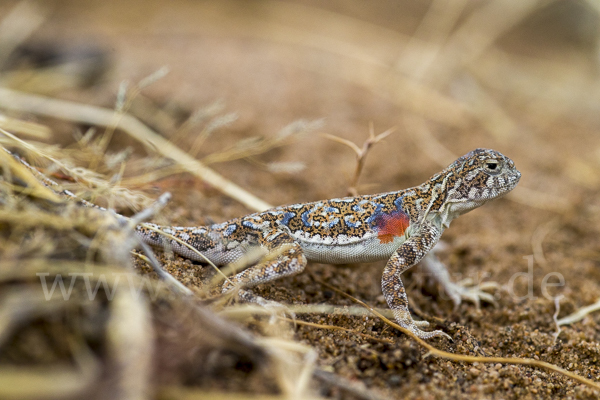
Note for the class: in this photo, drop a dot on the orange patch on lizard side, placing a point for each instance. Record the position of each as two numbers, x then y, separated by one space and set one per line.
391 225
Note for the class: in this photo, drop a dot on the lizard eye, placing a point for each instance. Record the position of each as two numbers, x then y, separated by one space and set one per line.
492 166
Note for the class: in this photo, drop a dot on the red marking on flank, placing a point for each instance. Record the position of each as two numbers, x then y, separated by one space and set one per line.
391 225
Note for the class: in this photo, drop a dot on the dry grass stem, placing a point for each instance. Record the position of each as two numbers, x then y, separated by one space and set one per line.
130 342
32 186
294 364
173 283
244 310
82 113
125 98
208 129
81 175
54 381
152 176
337 328
256 145
25 128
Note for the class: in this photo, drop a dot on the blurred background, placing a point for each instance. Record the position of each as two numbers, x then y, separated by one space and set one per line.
449 77
250 87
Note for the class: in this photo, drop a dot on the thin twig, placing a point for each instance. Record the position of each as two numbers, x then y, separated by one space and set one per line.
150 258
579 314
149 212
361 153
555 316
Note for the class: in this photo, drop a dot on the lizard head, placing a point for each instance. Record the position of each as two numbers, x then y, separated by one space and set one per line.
477 177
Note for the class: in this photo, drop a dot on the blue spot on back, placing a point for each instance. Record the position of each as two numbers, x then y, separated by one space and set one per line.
398 202
348 221
305 220
333 223
230 229
249 224
372 220
286 218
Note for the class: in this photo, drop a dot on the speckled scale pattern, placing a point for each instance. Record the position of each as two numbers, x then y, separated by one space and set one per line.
400 226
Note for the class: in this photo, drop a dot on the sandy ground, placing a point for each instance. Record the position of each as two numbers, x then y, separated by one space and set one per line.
531 94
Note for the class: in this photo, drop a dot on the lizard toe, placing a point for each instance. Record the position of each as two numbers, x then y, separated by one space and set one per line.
474 294
428 335
414 327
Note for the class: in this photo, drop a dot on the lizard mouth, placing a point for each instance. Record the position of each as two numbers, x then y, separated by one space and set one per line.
511 180
514 178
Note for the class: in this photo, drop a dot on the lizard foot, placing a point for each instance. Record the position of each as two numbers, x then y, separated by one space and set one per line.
413 327
405 320
465 290
459 291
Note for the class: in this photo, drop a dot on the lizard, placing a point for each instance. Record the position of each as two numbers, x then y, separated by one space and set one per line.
400 226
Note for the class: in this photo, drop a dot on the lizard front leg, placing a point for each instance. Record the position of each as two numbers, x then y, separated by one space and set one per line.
407 255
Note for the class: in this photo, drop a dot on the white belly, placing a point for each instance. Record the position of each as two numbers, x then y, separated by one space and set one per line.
364 251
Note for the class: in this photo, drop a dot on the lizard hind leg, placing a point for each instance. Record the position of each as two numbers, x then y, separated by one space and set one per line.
285 259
